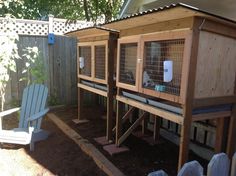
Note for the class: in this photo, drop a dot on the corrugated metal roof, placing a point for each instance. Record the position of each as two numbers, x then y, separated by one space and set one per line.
166 8
92 28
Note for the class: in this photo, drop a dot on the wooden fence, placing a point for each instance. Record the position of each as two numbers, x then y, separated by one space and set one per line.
218 166
60 65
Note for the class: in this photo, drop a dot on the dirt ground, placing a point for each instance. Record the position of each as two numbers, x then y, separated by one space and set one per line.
58 155
142 157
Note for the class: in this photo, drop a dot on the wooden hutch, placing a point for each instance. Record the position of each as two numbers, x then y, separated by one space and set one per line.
177 63
96 62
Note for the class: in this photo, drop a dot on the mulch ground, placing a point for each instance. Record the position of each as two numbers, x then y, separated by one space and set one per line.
142 157
59 155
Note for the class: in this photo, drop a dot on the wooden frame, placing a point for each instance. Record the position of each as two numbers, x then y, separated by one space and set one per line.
93 45
186 99
170 35
93 37
128 40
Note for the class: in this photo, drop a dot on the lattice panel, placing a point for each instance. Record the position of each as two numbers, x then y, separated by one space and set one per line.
61 27
128 59
85 52
34 27
155 53
100 62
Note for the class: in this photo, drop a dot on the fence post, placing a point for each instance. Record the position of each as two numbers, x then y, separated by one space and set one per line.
50 23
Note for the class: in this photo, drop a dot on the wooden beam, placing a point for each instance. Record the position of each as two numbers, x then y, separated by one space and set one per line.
130 130
218 28
203 102
125 117
212 115
101 161
94 90
231 144
153 110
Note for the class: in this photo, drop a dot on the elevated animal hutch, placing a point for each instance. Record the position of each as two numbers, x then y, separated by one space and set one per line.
177 63
96 62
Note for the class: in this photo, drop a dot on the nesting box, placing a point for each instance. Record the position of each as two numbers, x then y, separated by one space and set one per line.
179 63
96 63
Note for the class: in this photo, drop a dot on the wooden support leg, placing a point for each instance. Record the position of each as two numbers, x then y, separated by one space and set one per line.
156 129
144 125
219 135
184 142
109 115
80 105
231 144
118 121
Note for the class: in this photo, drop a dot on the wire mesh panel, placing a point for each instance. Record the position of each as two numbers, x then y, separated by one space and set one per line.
85 57
128 58
163 65
100 61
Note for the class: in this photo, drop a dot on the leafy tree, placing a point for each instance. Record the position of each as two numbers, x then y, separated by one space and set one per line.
90 10
8 54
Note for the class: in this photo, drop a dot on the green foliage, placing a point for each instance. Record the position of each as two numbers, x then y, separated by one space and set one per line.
8 56
53 100
90 10
34 71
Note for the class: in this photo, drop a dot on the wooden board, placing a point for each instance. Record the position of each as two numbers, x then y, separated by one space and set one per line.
215 66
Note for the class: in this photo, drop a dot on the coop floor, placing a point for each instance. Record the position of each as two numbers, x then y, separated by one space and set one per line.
141 158
59 155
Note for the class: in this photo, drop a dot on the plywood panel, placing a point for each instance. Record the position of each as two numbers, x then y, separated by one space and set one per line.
215 66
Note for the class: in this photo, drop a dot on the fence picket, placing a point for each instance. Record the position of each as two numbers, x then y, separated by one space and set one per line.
219 165
233 166
192 168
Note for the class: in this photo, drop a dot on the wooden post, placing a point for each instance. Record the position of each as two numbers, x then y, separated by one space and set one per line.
188 104
156 128
219 134
231 144
118 120
110 67
80 106
144 124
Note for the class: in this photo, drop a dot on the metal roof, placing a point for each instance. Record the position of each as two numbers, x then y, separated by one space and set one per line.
89 30
195 10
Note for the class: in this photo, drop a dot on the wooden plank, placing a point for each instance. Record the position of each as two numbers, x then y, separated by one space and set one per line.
91 89
130 130
183 23
101 161
153 110
202 102
212 115
219 165
231 144
215 66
